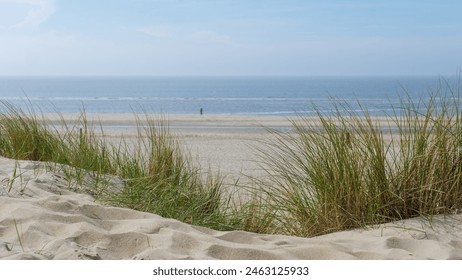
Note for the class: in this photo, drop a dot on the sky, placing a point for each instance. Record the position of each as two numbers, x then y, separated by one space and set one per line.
230 37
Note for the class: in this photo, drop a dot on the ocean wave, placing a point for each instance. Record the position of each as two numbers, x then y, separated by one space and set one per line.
134 98
212 99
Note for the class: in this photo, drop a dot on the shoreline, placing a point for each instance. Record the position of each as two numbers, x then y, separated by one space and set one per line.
194 121
223 144
219 143
175 120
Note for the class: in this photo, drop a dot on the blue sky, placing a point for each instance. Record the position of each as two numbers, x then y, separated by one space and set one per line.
230 37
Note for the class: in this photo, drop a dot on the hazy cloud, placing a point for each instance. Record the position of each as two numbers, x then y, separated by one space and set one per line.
229 37
28 13
205 36
158 31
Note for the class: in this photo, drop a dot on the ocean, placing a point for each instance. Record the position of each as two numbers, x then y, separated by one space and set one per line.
276 96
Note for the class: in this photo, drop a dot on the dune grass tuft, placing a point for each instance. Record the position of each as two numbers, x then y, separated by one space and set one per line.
333 172
348 170
157 176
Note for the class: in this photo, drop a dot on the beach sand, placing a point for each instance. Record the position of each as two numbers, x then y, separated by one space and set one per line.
42 216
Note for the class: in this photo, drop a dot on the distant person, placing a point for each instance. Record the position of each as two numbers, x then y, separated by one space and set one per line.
201 111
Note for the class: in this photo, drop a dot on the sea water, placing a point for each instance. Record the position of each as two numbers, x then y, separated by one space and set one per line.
278 96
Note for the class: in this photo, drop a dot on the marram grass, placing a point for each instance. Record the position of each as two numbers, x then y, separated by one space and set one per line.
333 172
157 176
342 171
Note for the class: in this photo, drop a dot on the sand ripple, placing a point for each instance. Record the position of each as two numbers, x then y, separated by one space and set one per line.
41 217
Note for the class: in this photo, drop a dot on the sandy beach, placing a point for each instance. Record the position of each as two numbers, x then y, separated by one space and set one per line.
43 216
223 143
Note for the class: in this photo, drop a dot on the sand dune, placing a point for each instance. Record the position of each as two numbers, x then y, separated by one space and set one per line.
42 216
